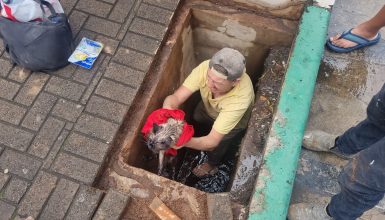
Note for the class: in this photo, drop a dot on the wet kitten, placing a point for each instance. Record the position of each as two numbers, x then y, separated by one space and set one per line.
164 136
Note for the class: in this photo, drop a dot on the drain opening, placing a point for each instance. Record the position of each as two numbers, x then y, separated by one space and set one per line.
199 30
204 32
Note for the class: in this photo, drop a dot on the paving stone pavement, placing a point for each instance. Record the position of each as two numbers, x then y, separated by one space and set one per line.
56 129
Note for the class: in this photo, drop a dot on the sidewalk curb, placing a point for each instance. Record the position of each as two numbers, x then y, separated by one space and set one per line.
274 184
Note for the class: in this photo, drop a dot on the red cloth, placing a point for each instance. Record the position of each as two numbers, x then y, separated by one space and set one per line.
161 116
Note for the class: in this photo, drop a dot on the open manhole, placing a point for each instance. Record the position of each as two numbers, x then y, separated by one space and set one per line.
199 30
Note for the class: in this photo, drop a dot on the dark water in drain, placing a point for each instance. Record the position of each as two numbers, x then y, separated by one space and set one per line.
180 169
212 184
217 182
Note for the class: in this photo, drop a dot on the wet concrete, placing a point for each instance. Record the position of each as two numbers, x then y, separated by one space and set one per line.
251 150
345 85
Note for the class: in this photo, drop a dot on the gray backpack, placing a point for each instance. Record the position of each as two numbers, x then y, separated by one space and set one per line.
38 45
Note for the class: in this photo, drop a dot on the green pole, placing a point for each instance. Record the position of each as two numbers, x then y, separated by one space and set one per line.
274 184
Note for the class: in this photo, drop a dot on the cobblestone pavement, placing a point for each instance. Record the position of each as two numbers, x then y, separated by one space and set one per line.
56 129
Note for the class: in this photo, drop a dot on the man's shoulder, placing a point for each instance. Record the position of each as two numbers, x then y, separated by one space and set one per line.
195 80
201 69
205 63
246 78
246 85
243 95
204 66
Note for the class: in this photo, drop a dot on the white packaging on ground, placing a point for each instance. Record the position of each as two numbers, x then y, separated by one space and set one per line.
27 10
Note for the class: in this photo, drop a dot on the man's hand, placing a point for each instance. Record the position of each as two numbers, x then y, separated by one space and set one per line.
177 98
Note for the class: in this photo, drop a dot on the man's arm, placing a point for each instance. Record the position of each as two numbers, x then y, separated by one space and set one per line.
177 98
206 143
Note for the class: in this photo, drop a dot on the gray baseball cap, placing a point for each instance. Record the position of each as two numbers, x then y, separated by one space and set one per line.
231 60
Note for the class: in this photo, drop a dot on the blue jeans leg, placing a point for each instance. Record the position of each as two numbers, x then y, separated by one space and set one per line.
367 132
362 183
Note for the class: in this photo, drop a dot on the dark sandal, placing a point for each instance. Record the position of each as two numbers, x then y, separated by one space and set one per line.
360 41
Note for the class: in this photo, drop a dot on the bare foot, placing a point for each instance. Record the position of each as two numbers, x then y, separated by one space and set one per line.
359 30
204 169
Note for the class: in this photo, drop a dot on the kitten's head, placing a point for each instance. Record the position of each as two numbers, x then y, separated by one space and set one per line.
164 136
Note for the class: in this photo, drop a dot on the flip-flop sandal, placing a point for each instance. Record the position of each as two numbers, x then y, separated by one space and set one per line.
360 41
206 174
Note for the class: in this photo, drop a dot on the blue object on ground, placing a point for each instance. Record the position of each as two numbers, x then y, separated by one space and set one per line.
360 41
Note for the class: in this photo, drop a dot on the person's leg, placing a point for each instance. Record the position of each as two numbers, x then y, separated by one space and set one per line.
229 142
202 121
368 30
202 124
200 115
214 157
227 146
355 139
367 132
362 183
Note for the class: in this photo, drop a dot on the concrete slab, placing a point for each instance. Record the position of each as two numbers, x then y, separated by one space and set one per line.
219 206
348 14
251 153
112 206
345 85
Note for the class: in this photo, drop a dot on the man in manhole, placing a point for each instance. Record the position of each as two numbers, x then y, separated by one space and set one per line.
227 97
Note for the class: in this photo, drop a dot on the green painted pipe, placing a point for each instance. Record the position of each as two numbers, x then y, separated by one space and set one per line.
274 184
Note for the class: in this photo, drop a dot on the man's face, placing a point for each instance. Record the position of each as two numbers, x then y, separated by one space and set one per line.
217 83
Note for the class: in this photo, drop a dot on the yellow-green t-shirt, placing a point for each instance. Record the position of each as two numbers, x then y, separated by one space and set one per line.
230 110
